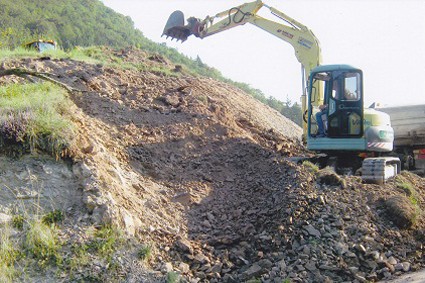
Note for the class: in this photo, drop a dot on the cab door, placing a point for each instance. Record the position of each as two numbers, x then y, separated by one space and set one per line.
345 106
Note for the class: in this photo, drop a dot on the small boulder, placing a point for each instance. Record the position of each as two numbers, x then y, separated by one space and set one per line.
328 176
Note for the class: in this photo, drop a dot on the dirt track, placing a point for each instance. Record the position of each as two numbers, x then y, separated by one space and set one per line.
200 170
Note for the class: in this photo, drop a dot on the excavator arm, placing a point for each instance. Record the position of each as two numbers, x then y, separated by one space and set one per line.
305 44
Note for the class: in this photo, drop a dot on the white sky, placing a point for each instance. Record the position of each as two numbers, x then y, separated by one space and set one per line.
384 38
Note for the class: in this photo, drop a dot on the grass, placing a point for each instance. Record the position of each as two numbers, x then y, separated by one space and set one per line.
313 168
19 52
106 240
145 252
404 185
52 217
41 242
79 258
173 277
8 257
34 116
38 246
18 222
93 55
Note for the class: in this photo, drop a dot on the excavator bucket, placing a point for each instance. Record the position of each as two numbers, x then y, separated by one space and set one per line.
175 27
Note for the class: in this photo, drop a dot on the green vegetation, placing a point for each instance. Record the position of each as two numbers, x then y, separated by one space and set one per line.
310 166
78 258
37 245
8 256
106 240
145 252
404 185
173 277
52 217
18 222
33 116
42 243
69 22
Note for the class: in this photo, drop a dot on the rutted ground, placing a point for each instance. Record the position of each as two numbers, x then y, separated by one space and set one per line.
199 169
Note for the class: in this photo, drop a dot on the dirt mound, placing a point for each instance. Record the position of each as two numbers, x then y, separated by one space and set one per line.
199 169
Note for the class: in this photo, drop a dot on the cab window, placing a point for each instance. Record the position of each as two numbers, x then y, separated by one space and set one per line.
352 87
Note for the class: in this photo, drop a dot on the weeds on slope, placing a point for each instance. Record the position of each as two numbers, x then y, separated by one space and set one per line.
34 117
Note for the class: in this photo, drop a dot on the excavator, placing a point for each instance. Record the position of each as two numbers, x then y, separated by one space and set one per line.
335 122
41 45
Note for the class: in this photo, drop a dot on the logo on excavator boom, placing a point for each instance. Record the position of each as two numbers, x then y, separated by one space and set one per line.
304 42
285 33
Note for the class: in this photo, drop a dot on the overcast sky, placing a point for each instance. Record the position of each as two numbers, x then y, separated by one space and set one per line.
384 38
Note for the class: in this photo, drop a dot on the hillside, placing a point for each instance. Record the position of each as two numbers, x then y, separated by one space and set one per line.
89 23
69 22
198 171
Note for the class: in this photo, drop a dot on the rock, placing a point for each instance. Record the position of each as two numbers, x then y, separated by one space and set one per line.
373 254
392 260
216 268
398 267
229 278
360 248
265 263
253 271
340 248
172 100
350 254
201 275
129 223
360 278
282 265
184 267
184 198
312 231
210 217
201 258
167 267
328 176
406 266
184 245
311 266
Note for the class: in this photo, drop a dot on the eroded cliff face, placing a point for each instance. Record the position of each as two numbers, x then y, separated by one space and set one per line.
199 170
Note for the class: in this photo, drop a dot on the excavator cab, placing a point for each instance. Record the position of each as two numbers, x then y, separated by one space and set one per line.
41 45
342 115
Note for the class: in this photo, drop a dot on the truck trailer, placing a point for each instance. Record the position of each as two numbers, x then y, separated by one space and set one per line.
408 123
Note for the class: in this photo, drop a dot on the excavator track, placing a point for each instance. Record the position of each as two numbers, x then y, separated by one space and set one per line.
378 170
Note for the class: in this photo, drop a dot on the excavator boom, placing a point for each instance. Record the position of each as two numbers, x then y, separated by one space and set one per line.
302 39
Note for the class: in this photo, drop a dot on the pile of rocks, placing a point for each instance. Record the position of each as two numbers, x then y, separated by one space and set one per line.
284 225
